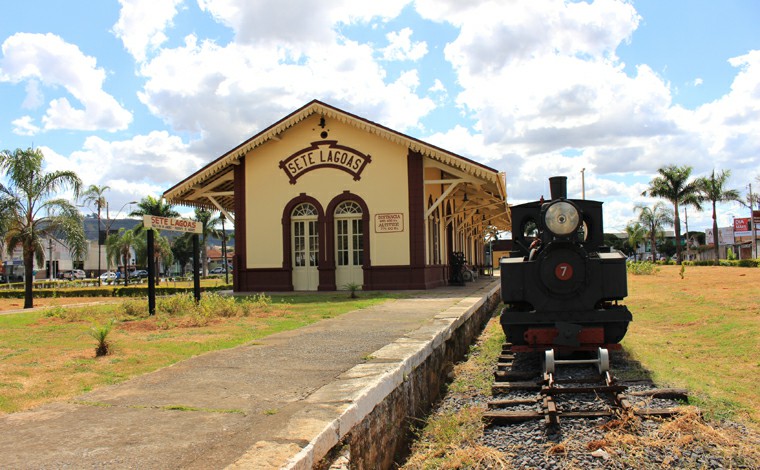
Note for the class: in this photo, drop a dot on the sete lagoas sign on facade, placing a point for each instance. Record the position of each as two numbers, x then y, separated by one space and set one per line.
173 224
325 154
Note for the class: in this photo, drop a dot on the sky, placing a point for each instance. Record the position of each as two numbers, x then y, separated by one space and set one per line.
138 94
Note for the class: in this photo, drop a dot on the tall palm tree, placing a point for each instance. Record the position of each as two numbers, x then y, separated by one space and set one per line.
653 219
673 185
28 194
636 234
119 248
95 195
713 189
209 223
150 205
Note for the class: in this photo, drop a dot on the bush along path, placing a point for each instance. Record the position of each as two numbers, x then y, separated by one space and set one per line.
455 435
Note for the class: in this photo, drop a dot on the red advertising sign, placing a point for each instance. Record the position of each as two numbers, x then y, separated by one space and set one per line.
741 225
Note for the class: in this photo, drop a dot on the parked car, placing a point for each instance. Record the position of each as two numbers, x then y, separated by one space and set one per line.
108 276
78 274
138 274
219 270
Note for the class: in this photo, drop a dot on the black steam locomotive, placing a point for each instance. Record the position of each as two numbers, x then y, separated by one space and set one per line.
561 285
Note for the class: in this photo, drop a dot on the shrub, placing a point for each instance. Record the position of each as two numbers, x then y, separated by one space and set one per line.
100 333
352 287
641 268
177 304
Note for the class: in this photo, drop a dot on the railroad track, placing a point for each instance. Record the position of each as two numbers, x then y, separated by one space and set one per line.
543 394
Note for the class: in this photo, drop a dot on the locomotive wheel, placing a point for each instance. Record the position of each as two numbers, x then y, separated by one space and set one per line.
549 361
604 361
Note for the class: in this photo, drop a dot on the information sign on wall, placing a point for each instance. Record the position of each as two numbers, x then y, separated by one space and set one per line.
389 222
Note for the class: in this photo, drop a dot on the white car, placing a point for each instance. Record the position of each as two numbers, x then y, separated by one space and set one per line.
108 276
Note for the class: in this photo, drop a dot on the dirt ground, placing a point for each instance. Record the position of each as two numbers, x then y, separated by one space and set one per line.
18 304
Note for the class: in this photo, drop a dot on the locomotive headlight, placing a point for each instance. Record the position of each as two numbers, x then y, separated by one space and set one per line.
562 218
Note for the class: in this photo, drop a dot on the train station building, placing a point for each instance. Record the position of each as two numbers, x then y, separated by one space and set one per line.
323 199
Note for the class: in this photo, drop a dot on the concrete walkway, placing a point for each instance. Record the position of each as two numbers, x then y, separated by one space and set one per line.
242 407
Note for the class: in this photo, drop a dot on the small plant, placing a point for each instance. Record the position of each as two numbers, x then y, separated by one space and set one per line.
682 271
352 287
100 333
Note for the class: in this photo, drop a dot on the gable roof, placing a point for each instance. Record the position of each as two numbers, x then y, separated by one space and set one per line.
212 186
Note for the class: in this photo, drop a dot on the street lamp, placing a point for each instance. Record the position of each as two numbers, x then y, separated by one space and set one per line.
224 251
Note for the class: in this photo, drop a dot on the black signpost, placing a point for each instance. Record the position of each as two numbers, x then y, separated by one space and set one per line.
152 222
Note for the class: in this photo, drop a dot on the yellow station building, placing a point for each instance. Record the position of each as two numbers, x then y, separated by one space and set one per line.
323 198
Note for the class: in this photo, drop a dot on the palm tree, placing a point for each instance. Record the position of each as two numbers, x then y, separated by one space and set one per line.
673 185
653 219
636 234
119 247
30 192
182 249
150 205
713 189
208 223
95 195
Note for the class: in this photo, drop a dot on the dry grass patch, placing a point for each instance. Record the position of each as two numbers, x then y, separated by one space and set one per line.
701 332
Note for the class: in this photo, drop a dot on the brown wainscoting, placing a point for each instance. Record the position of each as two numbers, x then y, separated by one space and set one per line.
404 277
264 280
327 278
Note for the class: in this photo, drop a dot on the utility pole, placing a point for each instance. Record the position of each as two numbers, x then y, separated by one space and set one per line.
583 183
752 222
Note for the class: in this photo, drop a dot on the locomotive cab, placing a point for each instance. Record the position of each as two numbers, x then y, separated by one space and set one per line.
561 284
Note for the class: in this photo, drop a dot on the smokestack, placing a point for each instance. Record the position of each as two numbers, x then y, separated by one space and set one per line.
558 186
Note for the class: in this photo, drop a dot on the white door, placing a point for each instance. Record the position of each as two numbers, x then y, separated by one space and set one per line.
305 246
349 245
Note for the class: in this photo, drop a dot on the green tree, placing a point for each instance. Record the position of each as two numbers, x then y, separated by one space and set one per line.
150 205
209 223
119 248
95 195
637 233
32 211
182 249
673 185
713 189
653 219
161 249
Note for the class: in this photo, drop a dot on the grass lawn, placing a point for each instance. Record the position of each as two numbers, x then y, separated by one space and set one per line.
701 332
49 355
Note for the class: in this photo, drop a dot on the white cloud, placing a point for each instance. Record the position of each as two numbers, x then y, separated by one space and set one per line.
300 23
697 82
142 23
34 97
155 159
25 126
401 47
50 60
227 93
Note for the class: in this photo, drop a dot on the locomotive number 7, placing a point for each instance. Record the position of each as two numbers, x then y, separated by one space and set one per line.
563 271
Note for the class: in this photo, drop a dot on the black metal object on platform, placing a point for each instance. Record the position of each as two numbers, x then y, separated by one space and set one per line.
456 275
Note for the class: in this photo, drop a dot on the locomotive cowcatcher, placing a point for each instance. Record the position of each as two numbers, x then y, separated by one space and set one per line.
561 284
